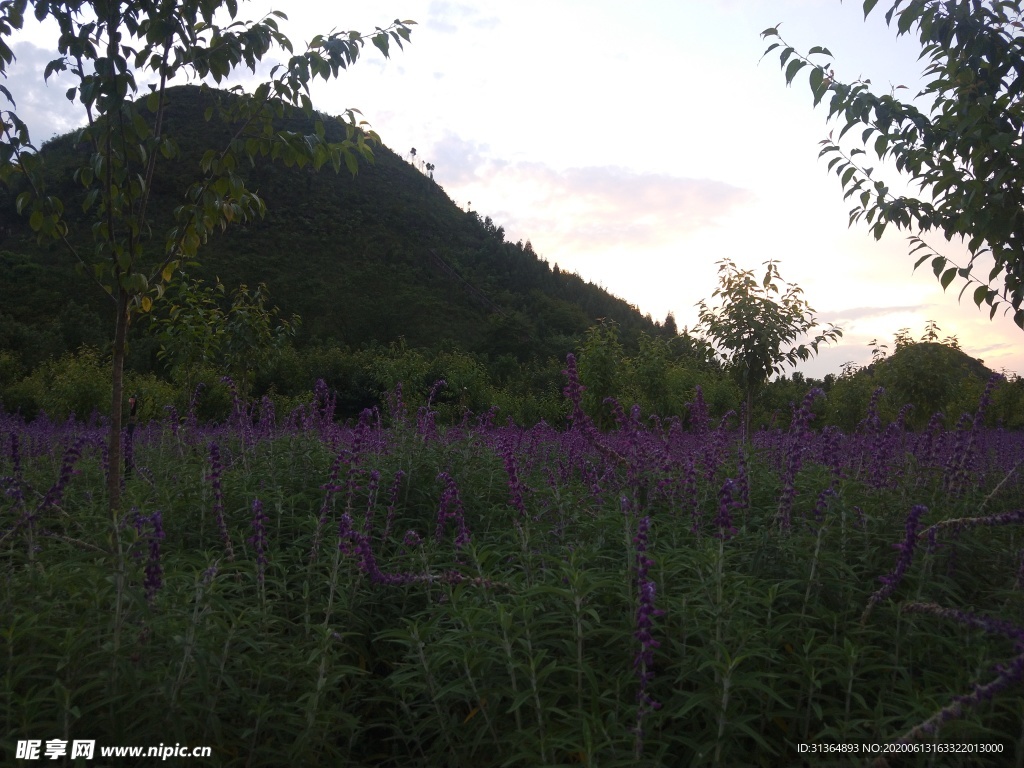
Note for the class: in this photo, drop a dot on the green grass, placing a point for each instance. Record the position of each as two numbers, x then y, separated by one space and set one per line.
518 649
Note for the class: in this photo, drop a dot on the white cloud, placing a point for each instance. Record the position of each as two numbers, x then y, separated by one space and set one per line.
41 104
448 17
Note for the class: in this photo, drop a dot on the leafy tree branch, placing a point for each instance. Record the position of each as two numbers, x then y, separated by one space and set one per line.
966 152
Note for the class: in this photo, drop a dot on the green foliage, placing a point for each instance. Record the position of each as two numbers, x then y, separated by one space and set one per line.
600 360
519 647
932 376
189 328
243 340
107 48
76 384
1008 403
756 331
966 152
152 394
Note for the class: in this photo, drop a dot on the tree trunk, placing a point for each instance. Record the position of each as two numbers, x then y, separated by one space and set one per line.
114 449
746 415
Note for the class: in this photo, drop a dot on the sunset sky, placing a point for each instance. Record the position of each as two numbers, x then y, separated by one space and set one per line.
636 144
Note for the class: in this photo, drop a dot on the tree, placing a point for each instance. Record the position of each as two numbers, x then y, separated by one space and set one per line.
754 331
110 47
600 370
194 331
967 152
669 327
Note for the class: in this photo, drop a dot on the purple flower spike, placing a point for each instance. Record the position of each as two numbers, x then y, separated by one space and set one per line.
906 549
154 573
393 502
723 521
259 539
646 612
573 390
218 500
450 508
515 486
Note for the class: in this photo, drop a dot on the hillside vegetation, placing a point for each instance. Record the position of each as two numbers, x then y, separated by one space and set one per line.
372 258
379 279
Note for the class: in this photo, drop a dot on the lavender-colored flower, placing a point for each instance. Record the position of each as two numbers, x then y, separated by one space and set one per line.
67 470
906 549
723 521
821 506
646 612
573 390
426 416
371 501
258 540
323 405
871 423
346 533
987 624
211 573
715 448
1008 674
396 407
173 420
330 488
698 410
450 508
268 418
15 483
515 486
154 572
396 484
218 500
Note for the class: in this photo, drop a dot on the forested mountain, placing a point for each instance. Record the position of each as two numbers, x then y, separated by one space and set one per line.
381 256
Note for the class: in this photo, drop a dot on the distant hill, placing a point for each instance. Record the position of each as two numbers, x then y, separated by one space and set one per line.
367 259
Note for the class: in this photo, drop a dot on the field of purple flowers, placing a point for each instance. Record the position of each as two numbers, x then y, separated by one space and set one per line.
292 591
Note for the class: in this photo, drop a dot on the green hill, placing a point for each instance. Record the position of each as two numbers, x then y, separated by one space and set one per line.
382 256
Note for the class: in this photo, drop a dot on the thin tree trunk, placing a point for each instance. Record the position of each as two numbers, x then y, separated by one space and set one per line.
117 381
746 415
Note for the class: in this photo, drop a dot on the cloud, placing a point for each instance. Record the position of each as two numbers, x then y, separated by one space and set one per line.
42 105
585 208
607 206
462 161
447 17
862 313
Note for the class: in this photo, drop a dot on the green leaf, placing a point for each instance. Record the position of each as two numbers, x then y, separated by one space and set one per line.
816 78
793 68
947 277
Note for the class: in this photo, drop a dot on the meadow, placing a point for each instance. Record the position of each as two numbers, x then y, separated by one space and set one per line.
290 590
